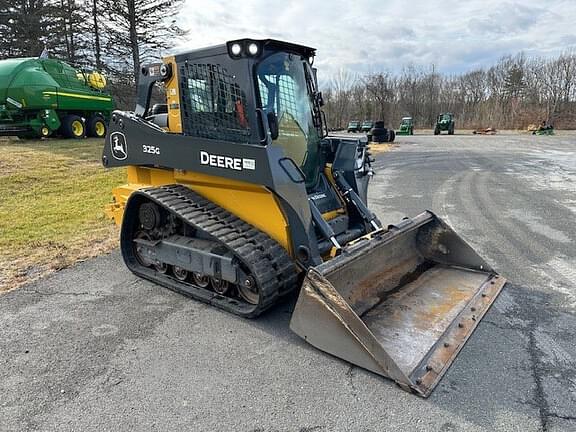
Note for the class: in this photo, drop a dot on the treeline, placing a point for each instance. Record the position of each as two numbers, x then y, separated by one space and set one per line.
113 36
515 92
117 36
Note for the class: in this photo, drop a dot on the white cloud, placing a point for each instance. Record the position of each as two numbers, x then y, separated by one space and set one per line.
372 35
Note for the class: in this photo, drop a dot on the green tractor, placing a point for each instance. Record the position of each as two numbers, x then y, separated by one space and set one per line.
353 126
366 126
544 129
40 97
406 126
444 122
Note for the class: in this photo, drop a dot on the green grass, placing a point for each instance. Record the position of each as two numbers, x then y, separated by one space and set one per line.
52 196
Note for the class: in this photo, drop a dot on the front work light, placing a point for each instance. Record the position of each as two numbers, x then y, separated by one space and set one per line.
253 49
236 49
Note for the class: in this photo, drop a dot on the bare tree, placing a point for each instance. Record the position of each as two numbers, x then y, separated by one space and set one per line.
340 98
380 87
513 93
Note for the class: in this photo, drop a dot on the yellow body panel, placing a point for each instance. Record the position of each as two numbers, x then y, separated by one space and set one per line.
333 214
252 203
342 210
173 98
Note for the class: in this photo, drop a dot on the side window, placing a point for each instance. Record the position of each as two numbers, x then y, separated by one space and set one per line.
286 94
213 105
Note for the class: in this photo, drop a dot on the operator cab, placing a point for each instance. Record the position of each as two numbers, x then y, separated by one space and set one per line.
257 92
249 92
287 96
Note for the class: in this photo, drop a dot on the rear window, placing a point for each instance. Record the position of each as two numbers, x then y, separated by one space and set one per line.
213 105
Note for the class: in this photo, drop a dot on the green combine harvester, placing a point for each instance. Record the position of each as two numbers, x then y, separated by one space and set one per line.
406 126
40 97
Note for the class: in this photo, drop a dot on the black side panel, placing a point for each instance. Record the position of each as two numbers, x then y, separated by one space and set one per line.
145 84
134 141
346 161
324 196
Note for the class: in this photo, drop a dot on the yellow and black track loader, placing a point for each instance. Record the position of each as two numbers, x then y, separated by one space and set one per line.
237 197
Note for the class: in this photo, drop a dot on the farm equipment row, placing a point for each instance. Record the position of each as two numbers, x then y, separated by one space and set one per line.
444 123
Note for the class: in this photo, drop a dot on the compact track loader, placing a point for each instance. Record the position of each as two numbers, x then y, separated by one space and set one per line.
237 197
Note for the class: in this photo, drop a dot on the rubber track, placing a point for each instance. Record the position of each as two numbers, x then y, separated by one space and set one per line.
267 261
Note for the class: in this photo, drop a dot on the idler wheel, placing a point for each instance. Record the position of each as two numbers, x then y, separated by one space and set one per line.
180 273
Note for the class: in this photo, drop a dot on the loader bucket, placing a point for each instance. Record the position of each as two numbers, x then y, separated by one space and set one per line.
401 304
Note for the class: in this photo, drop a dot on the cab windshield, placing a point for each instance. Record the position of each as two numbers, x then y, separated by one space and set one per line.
285 89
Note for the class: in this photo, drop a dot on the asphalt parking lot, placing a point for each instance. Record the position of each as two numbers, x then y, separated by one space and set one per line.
92 348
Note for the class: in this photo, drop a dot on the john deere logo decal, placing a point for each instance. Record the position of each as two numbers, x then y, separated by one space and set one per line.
118 145
228 162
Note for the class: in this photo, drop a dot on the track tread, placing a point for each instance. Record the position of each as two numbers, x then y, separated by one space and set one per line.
268 262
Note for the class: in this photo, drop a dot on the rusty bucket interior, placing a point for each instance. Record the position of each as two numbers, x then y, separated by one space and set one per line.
401 304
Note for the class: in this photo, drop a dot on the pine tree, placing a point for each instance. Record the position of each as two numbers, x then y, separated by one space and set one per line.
137 30
96 33
23 26
514 81
69 38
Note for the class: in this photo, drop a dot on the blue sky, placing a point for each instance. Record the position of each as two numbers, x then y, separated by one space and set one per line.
370 35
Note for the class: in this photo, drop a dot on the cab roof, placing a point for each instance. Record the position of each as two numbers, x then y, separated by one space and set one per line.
267 44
